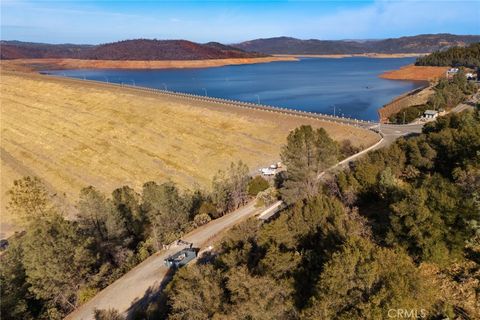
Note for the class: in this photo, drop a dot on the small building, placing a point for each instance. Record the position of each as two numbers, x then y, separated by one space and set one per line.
181 258
430 114
470 76
451 72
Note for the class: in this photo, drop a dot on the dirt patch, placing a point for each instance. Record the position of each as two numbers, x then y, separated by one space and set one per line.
416 73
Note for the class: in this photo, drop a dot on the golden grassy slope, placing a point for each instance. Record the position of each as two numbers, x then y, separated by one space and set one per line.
415 73
73 134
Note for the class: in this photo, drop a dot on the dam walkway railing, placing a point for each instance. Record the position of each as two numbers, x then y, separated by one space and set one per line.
246 105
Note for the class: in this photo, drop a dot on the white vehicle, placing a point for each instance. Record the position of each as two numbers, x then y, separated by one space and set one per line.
268 171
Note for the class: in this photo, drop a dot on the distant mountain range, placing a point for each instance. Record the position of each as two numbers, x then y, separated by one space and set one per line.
143 49
425 43
139 49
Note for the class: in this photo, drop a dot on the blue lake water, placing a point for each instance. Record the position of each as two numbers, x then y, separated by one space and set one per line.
348 86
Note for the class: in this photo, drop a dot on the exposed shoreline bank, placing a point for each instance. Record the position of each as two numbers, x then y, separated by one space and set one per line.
415 73
365 55
33 65
409 72
414 97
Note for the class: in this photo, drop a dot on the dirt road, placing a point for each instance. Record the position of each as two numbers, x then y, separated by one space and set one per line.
148 276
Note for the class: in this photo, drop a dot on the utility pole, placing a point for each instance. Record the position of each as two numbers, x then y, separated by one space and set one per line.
403 117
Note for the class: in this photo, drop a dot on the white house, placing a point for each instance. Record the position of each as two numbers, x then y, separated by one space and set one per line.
430 114
470 76
451 72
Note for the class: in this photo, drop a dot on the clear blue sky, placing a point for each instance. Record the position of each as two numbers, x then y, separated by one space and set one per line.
231 21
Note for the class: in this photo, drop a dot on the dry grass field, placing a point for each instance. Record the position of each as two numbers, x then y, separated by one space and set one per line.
73 134
415 73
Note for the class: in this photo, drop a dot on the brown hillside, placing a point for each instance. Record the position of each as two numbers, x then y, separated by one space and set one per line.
140 49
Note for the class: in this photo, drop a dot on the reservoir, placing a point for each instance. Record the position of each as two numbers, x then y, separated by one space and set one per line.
348 86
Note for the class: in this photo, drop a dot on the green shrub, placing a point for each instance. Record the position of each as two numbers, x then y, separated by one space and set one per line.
257 185
209 209
408 114
201 219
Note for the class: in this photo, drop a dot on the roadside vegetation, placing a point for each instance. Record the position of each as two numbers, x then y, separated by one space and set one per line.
447 94
400 229
468 57
56 264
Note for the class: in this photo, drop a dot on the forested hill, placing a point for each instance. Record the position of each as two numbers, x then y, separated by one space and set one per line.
455 57
25 50
139 49
398 230
145 49
415 44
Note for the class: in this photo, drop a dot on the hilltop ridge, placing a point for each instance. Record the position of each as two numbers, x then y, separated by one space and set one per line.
138 49
153 49
425 43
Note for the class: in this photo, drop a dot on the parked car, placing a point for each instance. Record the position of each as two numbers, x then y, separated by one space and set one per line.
268 171
3 244
181 258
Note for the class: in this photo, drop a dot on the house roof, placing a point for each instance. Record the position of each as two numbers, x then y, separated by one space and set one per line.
430 112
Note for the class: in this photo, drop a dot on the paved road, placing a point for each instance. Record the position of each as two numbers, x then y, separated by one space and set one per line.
147 277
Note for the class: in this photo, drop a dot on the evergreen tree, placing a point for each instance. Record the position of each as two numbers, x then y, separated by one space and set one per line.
195 294
308 153
57 262
98 219
258 298
16 301
230 188
364 281
166 210
127 206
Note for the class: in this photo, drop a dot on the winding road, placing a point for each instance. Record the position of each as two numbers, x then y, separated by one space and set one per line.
145 280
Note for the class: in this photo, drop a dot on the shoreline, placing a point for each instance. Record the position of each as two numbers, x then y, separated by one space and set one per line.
413 97
35 65
365 55
415 73
406 73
